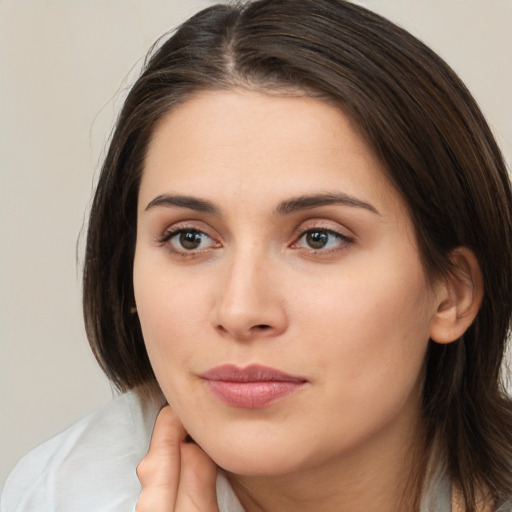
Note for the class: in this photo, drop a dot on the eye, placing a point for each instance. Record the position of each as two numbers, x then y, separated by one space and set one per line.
319 239
186 241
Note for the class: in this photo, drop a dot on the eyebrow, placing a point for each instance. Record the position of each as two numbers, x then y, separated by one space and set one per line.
286 207
308 202
192 203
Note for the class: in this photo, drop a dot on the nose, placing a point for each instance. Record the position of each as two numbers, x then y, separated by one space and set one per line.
249 304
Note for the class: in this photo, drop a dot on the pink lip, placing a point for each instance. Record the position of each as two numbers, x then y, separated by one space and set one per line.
252 387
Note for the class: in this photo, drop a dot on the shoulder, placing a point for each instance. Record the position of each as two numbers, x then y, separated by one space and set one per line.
88 467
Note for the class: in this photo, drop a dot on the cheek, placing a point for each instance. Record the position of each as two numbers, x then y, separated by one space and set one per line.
371 328
170 314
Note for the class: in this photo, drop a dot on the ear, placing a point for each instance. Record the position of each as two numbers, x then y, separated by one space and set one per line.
459 297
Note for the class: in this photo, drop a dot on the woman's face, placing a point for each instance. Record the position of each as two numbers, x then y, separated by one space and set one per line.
269 235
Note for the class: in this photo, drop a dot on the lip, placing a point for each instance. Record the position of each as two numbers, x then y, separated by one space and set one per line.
252 387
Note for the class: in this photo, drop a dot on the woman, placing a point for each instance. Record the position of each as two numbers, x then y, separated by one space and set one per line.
300 240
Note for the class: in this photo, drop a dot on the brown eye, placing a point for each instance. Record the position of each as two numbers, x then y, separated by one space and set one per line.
190 240
317 239
324 240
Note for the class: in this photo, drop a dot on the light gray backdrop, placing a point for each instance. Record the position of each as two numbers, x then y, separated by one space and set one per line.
64 69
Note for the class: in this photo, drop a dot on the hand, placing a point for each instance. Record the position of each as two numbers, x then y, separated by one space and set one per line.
175 476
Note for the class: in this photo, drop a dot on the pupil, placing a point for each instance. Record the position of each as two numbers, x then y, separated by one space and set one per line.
317 239
190 240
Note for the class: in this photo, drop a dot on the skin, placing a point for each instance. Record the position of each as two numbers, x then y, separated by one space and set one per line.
353 317
175 476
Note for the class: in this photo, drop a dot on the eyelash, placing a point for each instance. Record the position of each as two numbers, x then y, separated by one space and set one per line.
343 241
166 239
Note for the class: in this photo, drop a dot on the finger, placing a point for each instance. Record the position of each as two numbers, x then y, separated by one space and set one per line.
168 431
159 471
198 477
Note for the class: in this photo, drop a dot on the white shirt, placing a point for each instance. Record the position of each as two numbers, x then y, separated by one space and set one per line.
90 467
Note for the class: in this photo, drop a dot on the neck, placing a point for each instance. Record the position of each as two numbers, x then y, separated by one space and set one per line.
383 475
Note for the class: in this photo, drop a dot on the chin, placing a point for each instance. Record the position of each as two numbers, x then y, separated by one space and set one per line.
258 457
242 464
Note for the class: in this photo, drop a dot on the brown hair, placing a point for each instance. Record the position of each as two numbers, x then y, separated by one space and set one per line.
430 136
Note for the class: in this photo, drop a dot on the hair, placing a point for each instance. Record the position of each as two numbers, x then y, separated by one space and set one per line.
436 149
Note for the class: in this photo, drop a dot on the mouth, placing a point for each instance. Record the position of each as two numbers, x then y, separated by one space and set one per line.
252 387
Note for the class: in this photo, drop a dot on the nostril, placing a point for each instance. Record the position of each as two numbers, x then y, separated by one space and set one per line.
262 327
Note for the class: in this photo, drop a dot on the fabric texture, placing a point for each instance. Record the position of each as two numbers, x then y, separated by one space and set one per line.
90 467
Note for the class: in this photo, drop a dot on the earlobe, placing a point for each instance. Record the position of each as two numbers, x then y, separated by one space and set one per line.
459 298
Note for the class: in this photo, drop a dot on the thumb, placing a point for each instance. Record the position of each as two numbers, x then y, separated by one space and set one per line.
198 477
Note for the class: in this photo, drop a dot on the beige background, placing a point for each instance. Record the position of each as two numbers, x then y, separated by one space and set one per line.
64 69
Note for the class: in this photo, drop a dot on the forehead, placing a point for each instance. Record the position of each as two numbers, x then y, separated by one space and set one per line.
238 143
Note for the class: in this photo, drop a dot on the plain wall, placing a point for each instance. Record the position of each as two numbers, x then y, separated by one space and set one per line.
64 70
